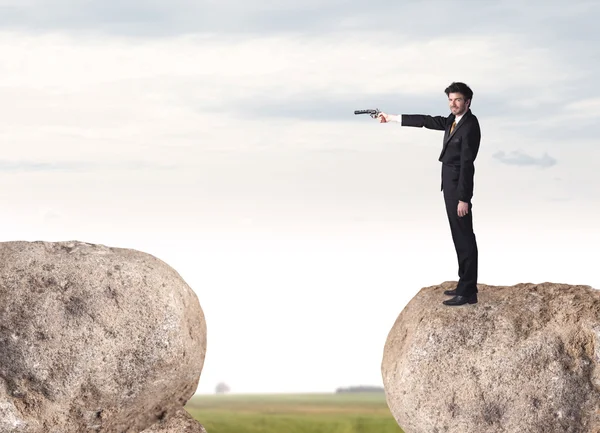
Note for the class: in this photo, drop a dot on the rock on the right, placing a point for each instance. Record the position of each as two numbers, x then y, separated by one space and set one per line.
525 359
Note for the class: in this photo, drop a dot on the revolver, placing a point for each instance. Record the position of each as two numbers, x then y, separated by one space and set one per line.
371 112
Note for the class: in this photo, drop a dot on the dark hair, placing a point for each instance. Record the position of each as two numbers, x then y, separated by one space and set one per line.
460 88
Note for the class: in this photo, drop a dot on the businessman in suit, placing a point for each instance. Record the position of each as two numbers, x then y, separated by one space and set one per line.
460 146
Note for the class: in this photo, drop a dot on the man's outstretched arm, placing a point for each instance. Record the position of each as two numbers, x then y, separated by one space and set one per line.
416 120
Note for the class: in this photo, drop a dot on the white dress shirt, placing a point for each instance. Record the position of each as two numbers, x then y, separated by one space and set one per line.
457 119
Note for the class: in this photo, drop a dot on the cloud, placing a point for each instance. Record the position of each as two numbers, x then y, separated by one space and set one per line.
177 17
227 106
277 76
521 159
80 166
415 19
314 105
98 98
584 108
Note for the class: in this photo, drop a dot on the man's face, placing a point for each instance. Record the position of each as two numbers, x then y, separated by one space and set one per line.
458 105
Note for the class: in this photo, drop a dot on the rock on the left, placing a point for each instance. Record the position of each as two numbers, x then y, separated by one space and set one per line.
94 339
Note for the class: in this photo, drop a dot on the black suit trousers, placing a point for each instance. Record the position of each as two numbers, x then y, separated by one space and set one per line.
464 241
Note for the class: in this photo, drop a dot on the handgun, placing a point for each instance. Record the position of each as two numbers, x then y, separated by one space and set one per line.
371 112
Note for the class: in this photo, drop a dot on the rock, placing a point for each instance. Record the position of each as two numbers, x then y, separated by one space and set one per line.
94 339
524 359
180 422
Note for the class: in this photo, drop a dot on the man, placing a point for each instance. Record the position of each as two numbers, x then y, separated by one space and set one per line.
460 146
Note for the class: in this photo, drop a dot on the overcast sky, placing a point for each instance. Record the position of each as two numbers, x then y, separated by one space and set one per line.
220 137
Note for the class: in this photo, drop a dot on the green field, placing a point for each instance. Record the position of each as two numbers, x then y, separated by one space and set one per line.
294 413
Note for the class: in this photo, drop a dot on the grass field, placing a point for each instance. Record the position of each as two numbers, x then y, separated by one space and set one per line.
294 413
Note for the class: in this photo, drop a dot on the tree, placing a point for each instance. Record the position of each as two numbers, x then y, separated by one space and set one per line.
361 388
222 388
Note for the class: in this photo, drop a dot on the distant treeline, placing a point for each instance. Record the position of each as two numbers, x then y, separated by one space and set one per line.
360 389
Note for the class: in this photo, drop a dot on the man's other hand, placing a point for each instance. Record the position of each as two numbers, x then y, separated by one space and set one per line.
463 208
383 118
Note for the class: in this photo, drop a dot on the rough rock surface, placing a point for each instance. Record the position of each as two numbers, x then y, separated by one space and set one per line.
526 358
94 339
180 422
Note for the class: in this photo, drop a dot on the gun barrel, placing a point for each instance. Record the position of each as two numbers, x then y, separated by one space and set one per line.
371 112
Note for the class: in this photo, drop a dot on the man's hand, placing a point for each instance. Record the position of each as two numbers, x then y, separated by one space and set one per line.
463 208
383 118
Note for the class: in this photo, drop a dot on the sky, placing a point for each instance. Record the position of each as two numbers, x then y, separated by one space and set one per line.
220 137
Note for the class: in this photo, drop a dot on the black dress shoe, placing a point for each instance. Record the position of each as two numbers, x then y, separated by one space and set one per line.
450 292
461 300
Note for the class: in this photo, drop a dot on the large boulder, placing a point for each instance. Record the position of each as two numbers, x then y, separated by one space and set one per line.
526 358
94 339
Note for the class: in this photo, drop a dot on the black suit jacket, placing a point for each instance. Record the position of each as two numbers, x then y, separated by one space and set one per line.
459 149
